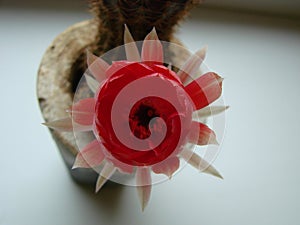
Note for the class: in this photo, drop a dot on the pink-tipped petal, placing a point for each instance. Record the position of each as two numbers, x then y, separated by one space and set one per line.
90 156
202 134
97 66
107 171
167 167
209 111
205 90
132 52
200 164
152 50
83 111
143 181
191 66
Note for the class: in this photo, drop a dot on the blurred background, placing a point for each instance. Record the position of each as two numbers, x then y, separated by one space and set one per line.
254 44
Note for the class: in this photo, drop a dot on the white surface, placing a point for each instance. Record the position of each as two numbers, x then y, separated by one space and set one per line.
258 56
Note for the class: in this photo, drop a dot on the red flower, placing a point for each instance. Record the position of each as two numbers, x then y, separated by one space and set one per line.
161 82
142 114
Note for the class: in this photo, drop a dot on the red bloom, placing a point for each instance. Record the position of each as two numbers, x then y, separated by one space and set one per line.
161 82
142 114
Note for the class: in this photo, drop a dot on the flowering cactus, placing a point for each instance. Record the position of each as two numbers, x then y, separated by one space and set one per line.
142 114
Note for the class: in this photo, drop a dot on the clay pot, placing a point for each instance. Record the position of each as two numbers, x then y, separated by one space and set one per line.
58 75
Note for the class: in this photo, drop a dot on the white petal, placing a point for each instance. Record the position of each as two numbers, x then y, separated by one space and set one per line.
202 53
132 52
199 163
64 124
90 57
192 65
143 181
152 49
107 171
97 66
89 156
92 83
209 111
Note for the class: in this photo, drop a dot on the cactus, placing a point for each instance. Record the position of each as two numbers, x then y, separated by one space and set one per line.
140 16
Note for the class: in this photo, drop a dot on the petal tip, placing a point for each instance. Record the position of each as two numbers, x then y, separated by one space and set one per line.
218 175
63 125
143 181
74 167
202 52
152 35
107 171
213 141
212 171
144 195
127 35
100 182
132 52
90 57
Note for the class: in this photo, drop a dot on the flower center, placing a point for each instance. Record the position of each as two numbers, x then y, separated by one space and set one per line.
139 119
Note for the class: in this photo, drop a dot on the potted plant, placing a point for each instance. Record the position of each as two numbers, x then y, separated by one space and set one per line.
151 25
